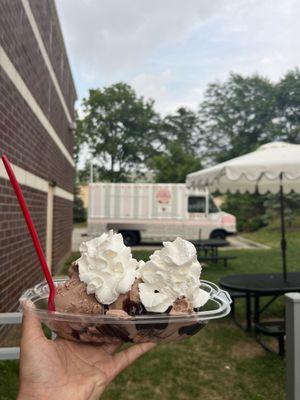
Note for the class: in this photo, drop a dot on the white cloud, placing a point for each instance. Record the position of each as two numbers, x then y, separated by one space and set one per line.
169 50
109 36
153 86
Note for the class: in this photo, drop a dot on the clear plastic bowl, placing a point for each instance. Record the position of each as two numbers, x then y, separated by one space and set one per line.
102 328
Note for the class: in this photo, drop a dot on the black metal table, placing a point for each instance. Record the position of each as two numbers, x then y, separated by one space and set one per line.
210 246
259 285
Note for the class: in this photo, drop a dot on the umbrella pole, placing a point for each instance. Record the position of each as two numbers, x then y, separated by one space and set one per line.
283 240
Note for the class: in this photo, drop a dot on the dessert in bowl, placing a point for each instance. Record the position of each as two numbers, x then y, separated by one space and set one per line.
109 297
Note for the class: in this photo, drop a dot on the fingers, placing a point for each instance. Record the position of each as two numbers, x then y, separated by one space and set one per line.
128 356
31 325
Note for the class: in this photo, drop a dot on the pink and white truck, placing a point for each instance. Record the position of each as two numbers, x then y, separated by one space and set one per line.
154 212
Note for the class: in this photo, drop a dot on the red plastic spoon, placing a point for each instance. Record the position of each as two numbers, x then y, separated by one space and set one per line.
32 231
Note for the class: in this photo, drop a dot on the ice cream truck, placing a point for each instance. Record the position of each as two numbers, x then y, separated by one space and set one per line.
155 212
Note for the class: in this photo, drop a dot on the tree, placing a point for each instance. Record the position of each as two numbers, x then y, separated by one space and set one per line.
182 126
287 122
179 147
79 212
78 139
248 209
236 116
174 164
272 207
120 129
239 115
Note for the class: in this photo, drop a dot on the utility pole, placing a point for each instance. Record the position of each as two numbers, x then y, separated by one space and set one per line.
91 171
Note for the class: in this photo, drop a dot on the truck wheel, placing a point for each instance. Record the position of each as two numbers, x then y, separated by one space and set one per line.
130 238
218 234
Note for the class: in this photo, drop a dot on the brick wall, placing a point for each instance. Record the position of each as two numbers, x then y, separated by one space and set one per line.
26 141
19 42
19 266
30 146
52 37
62 228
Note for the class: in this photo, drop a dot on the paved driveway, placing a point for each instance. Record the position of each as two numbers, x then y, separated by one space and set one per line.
236 242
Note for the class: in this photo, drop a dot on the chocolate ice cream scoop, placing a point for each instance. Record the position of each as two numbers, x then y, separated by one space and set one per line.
181 306
130 302
72 296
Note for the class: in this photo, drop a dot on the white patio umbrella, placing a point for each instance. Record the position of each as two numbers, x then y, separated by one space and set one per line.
273 167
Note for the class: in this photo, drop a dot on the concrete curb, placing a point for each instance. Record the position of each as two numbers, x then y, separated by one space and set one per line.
251 244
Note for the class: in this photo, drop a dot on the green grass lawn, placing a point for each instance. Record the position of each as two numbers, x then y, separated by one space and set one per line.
80 225
221 362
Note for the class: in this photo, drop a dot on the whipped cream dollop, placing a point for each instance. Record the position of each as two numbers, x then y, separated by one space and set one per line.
107 267
171 273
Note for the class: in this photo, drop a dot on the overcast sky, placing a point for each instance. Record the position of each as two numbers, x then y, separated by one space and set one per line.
170 49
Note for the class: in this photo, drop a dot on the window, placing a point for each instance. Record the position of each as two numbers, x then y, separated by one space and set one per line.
196 204
212 207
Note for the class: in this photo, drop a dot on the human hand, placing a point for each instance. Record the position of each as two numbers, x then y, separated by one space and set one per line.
61 369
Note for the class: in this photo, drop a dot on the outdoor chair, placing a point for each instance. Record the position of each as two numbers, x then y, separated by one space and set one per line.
275 329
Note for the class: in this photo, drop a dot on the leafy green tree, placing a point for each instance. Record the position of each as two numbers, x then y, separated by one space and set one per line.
272 207
120 129
287 122
179 147
248 209
174 164
237 116
182 126
99 173
84 174
78 139
79 212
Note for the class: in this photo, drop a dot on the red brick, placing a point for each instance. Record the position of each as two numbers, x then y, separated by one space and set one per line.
29 146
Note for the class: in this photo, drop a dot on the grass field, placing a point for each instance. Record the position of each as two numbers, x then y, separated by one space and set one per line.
221 362
80 225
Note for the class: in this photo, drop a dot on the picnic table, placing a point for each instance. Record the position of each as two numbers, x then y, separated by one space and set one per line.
208 250
255 286
210 246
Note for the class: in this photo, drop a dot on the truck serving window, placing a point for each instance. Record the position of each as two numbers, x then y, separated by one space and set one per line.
212 207
196 204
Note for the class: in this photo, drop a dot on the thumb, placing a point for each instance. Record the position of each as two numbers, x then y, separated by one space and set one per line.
126 357
31 325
